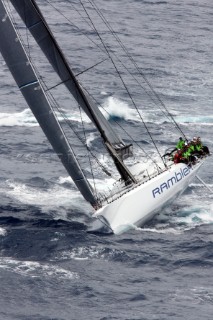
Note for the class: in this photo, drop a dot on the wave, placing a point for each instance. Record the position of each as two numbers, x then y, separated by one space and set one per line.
197 295
94 252
192 217
202 120
3 232
35 269
26 118
115 109
179 220
55 199
112 108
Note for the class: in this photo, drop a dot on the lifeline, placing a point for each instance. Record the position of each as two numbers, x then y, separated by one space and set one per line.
178 176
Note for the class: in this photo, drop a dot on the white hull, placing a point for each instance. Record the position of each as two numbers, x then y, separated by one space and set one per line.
140 204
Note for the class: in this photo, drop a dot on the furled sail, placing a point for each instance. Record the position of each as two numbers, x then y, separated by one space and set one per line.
23 72
35 22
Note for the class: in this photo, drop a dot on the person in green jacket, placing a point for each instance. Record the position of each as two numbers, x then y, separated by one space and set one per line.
181 143
188 154
200 148
191 147
179 146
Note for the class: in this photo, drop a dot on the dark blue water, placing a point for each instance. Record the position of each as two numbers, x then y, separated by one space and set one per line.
50 266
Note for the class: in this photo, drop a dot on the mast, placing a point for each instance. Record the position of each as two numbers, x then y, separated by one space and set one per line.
23 72
37 25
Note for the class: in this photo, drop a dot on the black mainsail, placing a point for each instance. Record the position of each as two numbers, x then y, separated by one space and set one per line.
37 25
23 72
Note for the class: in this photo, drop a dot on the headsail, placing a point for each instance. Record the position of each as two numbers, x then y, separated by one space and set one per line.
35 22
23 72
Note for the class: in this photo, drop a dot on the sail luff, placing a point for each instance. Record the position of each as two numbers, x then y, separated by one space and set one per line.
23 72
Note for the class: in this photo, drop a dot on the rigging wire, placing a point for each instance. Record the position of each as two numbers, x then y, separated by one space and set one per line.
106 51
72 24
167 114
47 89
97 64
135 64
51 98
67 120
84 71
124 84
127 133
113 53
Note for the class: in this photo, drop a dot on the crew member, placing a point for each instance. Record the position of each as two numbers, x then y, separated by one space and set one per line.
181 143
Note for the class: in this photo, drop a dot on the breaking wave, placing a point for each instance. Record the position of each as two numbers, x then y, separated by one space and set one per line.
26 118
3 232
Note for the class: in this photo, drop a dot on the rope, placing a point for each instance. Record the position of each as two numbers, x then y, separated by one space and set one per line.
135 64
124 84
205 185
167 114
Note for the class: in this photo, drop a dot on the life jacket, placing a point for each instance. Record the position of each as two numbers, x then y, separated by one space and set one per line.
186 154
191 148
180 144
198 147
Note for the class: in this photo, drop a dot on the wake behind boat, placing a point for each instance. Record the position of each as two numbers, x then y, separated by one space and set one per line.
140 192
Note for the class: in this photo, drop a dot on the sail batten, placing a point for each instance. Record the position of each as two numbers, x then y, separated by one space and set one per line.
26 79
28 84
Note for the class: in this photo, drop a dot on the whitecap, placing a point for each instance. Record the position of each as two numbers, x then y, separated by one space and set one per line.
3 232
114 107
195 216
55 200
24 118
55 196
62 180
166 230
35 269
203 120
92 252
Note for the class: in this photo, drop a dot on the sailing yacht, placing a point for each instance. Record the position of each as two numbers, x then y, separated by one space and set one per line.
139 193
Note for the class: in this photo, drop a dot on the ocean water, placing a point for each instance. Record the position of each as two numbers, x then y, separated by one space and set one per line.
51 268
